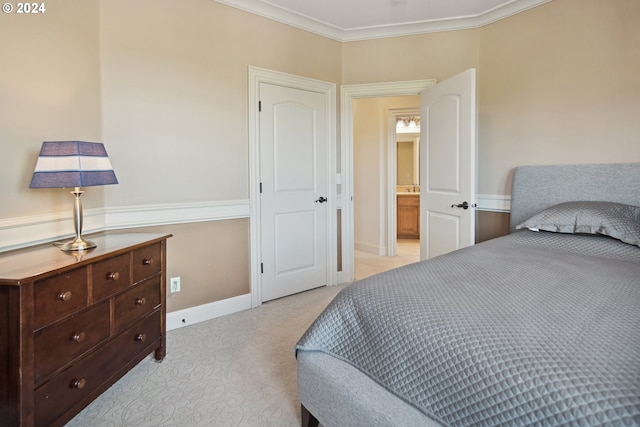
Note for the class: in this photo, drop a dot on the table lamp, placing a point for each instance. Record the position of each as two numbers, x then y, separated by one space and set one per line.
73 164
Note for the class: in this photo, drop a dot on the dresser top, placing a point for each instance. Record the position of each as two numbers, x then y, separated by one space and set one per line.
27 264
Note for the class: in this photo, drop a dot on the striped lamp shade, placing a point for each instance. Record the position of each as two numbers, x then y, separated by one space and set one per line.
67 164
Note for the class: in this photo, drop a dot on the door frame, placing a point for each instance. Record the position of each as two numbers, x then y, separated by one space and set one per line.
260 75
347 94
392 174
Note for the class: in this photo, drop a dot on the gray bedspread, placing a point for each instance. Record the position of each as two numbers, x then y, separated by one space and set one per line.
528 329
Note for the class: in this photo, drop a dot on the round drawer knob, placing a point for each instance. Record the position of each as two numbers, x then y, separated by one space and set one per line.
141 301
64 296
147 261
79 337
141 337
79 383
113 276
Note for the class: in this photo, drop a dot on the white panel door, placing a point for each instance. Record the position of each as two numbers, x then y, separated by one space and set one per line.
293 147
447 165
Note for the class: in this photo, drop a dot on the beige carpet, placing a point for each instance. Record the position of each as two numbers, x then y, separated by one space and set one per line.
237 370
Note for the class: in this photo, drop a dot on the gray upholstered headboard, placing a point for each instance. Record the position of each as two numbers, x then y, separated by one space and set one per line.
537 187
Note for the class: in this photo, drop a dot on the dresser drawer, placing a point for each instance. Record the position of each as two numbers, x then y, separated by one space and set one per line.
141 337
110 276
60 343
136 302
70 386
146 262
59 296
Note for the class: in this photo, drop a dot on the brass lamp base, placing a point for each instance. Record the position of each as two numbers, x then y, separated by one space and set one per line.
77 244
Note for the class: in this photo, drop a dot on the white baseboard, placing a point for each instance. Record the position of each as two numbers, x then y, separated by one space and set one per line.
201 313
371 249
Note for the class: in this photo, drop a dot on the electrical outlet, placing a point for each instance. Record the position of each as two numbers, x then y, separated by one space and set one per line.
174 285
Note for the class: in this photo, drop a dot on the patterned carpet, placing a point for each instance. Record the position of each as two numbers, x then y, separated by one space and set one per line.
236 370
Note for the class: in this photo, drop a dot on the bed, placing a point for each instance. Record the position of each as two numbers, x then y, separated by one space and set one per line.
539 327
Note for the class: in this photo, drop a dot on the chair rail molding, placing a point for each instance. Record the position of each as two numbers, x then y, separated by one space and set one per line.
26 231
493 203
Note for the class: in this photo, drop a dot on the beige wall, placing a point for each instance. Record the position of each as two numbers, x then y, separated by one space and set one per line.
490 225
559 84
426 56
175 115
211 259
556 84
164 86
174 93
370 147
368 186
49 90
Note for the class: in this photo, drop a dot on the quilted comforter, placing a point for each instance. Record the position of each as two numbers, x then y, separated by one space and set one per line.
531 328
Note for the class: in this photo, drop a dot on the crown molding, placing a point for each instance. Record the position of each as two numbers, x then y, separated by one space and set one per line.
285 16
306 23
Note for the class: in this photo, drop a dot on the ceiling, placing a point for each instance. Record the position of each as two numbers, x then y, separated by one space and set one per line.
349 20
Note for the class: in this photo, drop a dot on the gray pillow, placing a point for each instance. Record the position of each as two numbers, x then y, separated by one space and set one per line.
616 220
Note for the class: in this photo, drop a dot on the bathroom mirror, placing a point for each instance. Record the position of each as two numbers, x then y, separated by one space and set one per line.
408 159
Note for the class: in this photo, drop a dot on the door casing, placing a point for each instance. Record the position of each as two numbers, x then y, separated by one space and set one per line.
347 94
260 75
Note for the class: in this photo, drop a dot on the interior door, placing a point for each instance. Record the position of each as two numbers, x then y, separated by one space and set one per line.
293 158
448 165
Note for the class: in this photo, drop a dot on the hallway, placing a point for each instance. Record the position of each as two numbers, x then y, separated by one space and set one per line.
367 264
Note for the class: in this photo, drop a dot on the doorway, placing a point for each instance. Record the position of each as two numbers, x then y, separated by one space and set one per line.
404 177
449 153
386 183
349 93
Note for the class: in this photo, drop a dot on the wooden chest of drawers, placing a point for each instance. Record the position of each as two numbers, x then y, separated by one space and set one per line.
72 324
